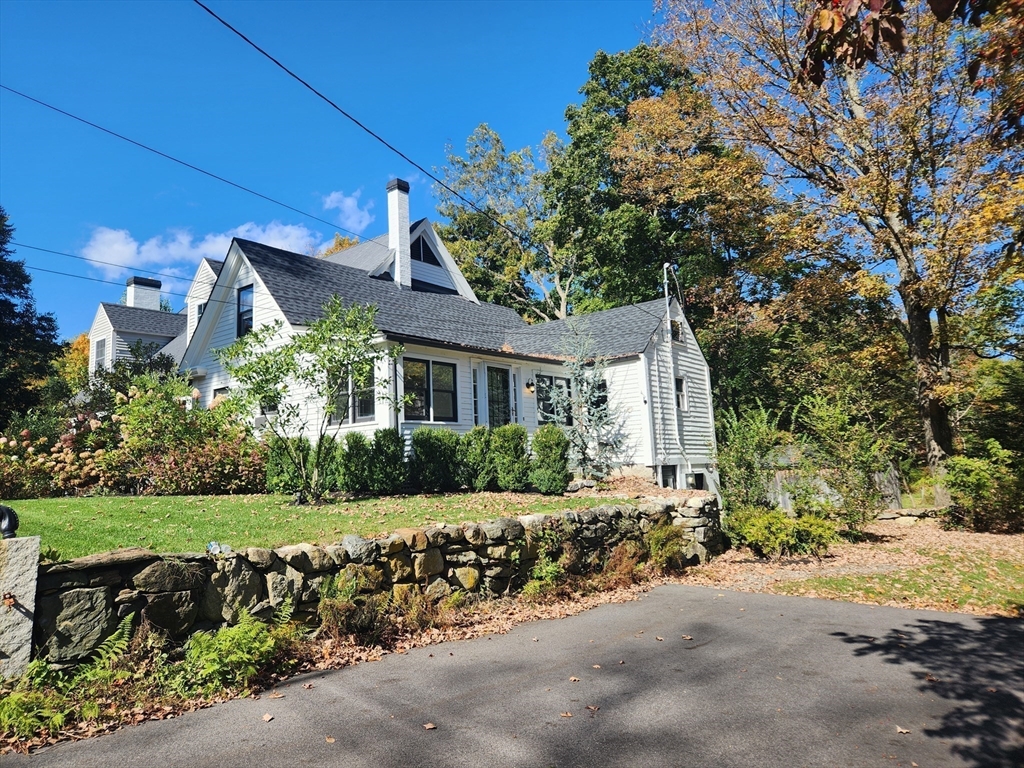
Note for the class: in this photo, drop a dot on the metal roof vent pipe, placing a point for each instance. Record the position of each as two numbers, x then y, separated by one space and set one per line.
398 231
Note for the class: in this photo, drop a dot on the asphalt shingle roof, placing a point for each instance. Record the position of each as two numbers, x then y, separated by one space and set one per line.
618 332
150 322
302 285
215 265
369 254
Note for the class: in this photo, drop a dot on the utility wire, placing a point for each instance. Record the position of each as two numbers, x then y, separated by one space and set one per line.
180 162
99 261
523 239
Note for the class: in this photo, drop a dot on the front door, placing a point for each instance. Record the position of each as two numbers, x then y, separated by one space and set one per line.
499 397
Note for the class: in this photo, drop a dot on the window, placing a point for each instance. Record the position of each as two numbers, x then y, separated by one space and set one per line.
244 311
420 250
431 386
682 402
100 356
476 399
200 308
677 331
355 403
545 401
219 395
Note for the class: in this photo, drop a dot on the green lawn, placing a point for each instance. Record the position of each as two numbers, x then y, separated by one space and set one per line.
954 582
81 526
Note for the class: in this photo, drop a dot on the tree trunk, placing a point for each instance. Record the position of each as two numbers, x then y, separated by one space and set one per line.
938 434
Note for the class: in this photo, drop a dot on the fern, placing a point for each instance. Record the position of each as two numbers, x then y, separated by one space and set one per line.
107 655
284 612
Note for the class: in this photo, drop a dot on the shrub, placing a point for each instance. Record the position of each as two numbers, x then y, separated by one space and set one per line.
221 466
549 472
434 464
24 473
281 473
772 534
668 545
25 713
511 464
986 493
747 456
476 464
355 463
388 471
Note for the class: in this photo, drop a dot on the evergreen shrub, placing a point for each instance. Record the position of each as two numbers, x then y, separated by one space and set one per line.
388 469
511 464
549 471
476 464
434 466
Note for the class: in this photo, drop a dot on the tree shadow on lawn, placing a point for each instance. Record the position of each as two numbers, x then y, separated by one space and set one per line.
982 669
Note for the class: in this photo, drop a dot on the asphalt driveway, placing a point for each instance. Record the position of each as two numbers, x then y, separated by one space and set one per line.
685 677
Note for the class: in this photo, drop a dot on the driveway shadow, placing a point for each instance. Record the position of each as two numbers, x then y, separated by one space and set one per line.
981 669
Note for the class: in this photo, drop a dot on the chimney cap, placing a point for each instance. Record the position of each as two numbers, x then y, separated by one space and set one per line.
399 184
143 282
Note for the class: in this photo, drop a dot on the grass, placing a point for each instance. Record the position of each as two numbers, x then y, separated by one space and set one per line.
74 527
953 582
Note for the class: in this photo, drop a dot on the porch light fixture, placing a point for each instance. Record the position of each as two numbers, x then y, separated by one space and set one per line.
530 386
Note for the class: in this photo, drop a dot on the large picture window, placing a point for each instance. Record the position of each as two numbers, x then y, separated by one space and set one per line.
545 400
431 386
244 311
355 403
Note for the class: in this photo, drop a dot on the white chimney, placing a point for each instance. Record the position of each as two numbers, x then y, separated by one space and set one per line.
144 292
398 230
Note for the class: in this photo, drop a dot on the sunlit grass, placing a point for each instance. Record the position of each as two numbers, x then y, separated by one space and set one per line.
81 526
955 582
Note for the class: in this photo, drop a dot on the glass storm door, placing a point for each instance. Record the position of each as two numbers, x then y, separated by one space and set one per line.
499 397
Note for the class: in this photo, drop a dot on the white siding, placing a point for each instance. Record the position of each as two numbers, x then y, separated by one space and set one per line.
198 293
682 438
101 329
428 273
625 397
123 343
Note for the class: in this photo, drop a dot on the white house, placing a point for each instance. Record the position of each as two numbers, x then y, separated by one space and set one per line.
465 362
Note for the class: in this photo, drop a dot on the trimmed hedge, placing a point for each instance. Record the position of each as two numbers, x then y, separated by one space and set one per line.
512 465
388 470
355 461
549 472
476 465
434 465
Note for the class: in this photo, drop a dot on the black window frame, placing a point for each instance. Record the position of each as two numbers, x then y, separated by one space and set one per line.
430 414
350 395
542 386
244 316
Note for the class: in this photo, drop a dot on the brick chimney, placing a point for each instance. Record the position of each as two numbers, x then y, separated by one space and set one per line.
144 292
398 231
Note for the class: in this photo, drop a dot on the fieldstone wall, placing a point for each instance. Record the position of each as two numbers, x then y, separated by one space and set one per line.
80 602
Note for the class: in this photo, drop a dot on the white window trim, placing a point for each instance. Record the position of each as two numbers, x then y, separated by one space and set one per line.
683 407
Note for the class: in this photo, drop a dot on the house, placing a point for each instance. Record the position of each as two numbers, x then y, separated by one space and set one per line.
465 362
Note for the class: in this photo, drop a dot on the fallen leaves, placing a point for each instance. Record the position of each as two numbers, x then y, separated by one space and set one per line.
275 695
597 666
659 639
574 679
267 717
901 730
566 714
329 739
687 637
429 727
308 686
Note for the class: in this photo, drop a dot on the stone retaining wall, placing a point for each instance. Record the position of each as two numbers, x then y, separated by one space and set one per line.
80 602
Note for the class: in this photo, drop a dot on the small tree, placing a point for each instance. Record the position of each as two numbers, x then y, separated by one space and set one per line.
594 428
304 377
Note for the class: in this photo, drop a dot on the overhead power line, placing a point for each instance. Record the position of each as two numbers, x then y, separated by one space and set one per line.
179 161
99 261
523 239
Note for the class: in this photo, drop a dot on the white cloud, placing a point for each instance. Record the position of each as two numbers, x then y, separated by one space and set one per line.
350 215
178 252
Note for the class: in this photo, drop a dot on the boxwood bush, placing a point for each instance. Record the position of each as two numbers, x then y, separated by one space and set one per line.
434 465
476 464
511 464
388 470
549 471
355 462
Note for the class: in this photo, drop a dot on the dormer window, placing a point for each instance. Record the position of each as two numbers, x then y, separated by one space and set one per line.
421 251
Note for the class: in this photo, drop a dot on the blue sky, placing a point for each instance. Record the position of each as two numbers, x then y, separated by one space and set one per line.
421 74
